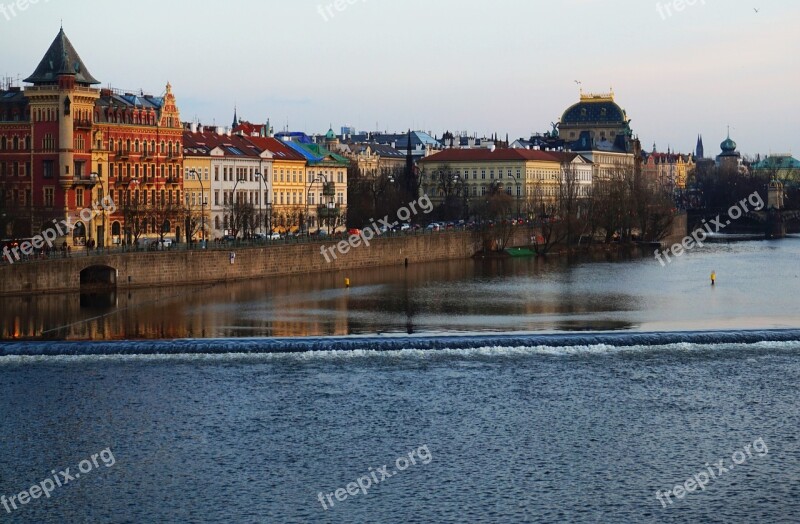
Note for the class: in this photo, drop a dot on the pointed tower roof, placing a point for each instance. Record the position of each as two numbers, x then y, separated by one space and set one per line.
61 59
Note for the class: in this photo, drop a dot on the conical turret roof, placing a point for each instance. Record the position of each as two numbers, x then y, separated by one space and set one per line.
61 59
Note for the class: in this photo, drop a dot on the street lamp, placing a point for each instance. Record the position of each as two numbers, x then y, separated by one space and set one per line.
96 179
260 195
202 205
234 201
317 178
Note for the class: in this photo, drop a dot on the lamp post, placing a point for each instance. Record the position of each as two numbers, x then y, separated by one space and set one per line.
268 219
98 180
233 208
308 192
260 196
128 232
194 173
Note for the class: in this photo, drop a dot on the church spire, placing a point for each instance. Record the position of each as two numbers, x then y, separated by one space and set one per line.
235 119
699 151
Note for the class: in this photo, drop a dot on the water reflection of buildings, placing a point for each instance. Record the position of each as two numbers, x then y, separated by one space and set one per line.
452 296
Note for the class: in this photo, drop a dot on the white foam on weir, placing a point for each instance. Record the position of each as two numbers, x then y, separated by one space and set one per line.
498 352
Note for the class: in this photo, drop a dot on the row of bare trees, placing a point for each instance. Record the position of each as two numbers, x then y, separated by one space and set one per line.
620 204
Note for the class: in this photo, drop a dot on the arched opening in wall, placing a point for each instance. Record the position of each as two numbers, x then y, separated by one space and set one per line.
98 287
116 233
79 235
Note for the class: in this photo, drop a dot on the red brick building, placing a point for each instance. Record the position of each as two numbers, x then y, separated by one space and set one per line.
66 146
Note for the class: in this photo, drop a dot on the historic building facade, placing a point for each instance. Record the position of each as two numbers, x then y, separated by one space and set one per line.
533 178
240 176
599 130
66 146
668 170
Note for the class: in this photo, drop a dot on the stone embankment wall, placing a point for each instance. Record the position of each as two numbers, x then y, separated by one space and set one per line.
174 268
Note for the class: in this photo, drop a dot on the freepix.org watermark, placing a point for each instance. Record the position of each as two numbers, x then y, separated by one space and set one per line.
712 472
667 9
328 11
57 480
364 483
60 229
716 225
10 10
404 214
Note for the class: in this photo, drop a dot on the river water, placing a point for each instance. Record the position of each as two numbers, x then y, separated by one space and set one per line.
514 391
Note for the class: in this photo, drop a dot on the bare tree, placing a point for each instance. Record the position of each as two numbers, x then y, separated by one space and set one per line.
495 229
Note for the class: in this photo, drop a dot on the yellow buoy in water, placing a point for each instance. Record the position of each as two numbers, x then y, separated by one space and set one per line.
713 278
347 282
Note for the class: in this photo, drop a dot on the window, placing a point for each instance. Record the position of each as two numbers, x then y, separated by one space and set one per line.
49 198
216 200
79 198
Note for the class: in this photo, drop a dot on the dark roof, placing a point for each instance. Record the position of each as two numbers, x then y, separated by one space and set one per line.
604 111
379 149
61 58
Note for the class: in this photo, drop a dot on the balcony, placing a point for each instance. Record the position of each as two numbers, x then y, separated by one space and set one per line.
84 182
122 154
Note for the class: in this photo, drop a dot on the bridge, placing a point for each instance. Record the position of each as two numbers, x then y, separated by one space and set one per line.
774 221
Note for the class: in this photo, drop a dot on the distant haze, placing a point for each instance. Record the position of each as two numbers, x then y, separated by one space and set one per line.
506 66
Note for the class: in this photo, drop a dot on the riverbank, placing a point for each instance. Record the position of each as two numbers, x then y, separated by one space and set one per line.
124 271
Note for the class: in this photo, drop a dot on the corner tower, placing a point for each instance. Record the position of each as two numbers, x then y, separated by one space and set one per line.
62 102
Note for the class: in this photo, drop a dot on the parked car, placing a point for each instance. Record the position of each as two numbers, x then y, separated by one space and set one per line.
353 232
276 236
434 227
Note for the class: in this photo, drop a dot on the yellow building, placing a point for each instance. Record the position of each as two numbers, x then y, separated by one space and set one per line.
197 184
290 202
531 177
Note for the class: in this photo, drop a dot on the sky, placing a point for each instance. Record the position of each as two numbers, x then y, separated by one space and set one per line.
679 68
